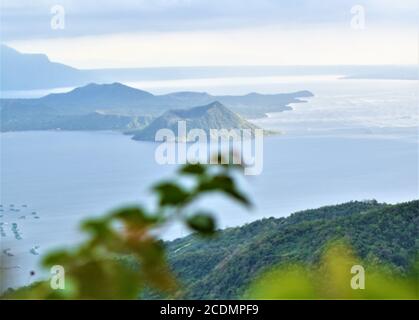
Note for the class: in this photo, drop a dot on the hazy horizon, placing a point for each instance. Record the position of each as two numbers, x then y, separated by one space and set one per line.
285 66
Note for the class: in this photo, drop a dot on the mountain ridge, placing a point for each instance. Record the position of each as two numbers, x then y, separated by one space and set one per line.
223 267
119 99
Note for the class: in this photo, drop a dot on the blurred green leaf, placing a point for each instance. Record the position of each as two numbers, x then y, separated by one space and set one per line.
135 217
105 279
193 169
331 279
224 184
98 268
171 194
59 257
203 223
98 227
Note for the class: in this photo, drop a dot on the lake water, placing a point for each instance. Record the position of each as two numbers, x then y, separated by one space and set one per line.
355 140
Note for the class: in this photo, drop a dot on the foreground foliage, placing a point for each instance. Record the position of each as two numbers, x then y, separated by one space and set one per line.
332 278
123 253
306 255
383 238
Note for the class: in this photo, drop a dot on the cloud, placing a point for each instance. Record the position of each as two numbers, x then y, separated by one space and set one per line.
26 19
128 33
247 46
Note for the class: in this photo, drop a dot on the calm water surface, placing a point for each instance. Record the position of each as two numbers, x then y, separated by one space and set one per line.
352 141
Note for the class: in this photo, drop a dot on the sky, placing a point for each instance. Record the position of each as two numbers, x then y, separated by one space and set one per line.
150 33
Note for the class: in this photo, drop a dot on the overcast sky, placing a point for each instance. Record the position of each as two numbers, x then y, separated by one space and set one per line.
138 33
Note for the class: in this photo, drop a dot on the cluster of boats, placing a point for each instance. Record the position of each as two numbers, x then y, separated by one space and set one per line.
16 231
14 226
7 252
13 209
34 251
2 232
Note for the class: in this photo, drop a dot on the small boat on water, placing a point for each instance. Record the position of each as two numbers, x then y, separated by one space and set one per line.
2 232
34 251
10 268
7 252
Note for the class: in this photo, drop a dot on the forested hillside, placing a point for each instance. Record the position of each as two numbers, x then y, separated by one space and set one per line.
224 266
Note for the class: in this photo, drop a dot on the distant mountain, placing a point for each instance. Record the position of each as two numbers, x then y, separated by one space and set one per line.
224 266
121 100
114 98
99 94
396 72
19 71
252 105
211 116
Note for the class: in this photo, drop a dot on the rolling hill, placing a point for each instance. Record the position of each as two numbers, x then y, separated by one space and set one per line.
222 267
